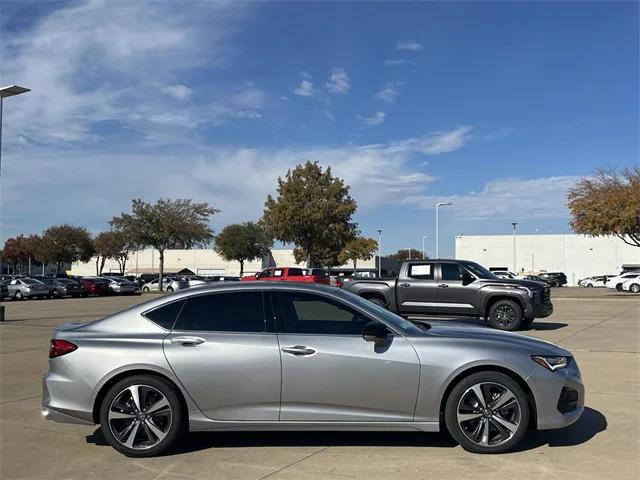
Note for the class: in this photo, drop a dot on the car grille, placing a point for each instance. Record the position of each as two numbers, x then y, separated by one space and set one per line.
546 295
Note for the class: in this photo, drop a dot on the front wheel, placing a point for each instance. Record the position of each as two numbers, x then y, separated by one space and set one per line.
589 285
487 412
634 287
141 416
145 289
170 289
506 315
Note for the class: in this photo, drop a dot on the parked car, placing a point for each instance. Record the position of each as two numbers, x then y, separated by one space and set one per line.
4 291
590 282
456 287
287 274
559 277
121 286
290 356
95 286
617 281
504 274
169 284
62 287
21 288
537 278
632 284
223 278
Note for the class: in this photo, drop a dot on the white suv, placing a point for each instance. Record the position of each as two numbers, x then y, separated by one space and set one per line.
616 282
632 284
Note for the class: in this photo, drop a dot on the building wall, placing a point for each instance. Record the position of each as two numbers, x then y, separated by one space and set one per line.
578 256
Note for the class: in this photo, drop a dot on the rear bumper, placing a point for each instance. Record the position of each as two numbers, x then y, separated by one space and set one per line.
65 397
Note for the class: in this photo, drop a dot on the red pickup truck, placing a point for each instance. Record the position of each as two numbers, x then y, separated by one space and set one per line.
289 274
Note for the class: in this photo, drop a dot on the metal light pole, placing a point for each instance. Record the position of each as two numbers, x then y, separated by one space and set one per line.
409 254
438 205
514 246
379 253
8 91
424 252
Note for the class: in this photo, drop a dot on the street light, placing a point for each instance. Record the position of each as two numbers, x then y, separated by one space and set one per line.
514 245
424 253
379 253
9 91
438 205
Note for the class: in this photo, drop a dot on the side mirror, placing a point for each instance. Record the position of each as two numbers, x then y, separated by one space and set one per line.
466 278
374 331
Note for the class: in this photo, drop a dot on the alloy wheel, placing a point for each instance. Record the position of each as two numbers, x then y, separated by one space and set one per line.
140 417
635 288
488 414
505 315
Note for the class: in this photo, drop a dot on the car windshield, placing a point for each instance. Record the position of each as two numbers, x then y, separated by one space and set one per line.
397 322
31 281
479 271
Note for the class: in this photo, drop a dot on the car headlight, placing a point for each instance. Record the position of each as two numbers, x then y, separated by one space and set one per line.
551 363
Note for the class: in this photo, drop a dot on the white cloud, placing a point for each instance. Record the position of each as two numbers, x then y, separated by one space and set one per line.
88 62
410 45
376 119
389 93
398 62
251 97
435 143
180 92
305 89
507 198
338 81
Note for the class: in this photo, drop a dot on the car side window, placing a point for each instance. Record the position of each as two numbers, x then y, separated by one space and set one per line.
264 274
166 315
421 271
295 272
307 313
277 273
450 271
223 312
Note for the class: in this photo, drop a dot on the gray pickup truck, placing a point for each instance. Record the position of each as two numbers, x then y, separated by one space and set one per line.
455 288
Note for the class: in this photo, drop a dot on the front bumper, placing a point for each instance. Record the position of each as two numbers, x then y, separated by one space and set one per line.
550 393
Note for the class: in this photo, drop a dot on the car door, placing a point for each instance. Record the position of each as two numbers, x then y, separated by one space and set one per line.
418 292
331 373
454 294
226 357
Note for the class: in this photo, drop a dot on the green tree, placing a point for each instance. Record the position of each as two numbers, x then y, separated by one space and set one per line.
607 204
17 250
313 210
359 248
242 242
66 244
166 224
402 255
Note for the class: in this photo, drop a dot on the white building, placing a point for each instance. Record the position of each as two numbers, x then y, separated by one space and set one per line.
578 256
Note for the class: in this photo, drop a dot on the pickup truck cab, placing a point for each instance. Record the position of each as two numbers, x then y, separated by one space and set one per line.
457 288
287 274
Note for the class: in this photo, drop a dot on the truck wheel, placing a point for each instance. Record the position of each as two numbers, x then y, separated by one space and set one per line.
378 301
506 315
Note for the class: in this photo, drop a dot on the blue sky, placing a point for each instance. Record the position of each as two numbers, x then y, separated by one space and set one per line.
496 107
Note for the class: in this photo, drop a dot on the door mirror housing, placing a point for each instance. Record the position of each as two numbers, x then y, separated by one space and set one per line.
375 331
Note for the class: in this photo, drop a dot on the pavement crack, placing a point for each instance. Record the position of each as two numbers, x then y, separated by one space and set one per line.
294 463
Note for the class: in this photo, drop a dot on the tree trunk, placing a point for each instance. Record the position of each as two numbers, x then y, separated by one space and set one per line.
309 244
97 269
241 267
354 265
123 265
102 262
161 270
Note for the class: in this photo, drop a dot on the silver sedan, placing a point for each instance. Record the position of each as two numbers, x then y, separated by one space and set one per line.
256 356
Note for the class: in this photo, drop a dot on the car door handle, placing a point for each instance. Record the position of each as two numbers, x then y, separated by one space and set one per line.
299 350
405 285
443 285
188 341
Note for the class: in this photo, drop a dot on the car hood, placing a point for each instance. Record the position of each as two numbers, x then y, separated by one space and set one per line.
532 345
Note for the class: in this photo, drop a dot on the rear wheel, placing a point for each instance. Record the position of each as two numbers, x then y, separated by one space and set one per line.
378 301
18 295
169 289
142 416
487 412
506 315
589 285
145 289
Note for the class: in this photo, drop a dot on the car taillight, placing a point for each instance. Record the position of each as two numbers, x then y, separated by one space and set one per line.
61 347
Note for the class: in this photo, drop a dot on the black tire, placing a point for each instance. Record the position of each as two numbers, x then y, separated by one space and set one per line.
378 301
589 285
18 296
506 315
170 289
527 322
145 289
174 429
464 437
634 288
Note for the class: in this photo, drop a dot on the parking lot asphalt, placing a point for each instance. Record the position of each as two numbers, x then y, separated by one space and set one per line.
601 328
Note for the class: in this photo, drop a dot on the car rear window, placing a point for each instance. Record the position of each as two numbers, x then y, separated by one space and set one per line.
165 316
295 272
